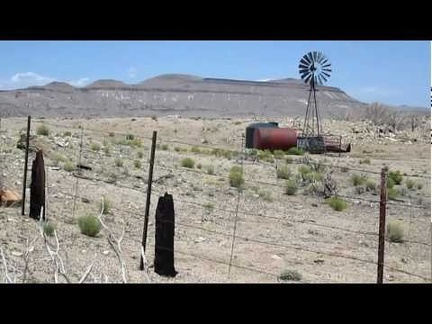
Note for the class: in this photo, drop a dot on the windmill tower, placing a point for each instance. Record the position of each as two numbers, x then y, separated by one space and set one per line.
314 69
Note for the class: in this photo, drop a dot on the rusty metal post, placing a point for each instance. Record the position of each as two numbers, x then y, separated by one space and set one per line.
25 166
382 224
147 207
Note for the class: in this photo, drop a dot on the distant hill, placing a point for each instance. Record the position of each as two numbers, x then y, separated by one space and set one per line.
178 94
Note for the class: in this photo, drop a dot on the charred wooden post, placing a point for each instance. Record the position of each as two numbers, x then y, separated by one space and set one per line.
164 247
37 187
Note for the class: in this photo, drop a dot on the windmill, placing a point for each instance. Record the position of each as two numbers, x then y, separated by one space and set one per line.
314 69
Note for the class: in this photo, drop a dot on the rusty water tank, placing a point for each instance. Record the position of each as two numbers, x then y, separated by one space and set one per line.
274 138
250 130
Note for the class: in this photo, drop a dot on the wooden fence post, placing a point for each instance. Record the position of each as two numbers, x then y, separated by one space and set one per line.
382 224
164 243
37 187
147 207
24 187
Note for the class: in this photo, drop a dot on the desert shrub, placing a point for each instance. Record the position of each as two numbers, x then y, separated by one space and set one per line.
119 162
337 203
210 169
236 177
396 176
188 163
313 176
290 275
67 134
265 156
48 228
69 166
392 193
107 150
288 160
199 166
164 147
395 231
419 186
409 183
365 161
237 122
89 225
359 190
95 146
358 180
283 172
344 169
105 205
291 187
390 183
303 170
42 130
58 157
130 137
140 154
209 207
278 154
137 164
295 151
371 185
111 134
195 149
265 195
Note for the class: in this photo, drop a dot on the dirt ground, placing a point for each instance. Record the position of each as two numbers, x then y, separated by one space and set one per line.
274 231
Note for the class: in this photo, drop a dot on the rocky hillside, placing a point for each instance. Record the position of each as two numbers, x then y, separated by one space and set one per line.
174 94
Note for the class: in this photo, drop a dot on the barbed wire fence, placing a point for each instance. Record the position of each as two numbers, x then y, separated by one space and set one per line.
184 205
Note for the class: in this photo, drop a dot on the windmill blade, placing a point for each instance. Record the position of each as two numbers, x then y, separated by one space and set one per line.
326 65
310 56
303 66
304 70
320 79
305 75
320 57
305 60
315 56
308 78
325 79
327 72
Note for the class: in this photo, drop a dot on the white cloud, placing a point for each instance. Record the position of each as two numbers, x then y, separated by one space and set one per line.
30 78
132 72
80 82
27 79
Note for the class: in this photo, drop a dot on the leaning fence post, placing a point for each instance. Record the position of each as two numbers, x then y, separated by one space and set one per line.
147 207
382 224
25 166
164 237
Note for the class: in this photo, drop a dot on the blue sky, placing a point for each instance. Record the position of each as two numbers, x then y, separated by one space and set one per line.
392 72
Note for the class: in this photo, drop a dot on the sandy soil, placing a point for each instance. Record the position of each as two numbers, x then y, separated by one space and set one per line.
274 231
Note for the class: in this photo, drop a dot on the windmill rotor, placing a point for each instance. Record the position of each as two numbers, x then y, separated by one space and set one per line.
315 68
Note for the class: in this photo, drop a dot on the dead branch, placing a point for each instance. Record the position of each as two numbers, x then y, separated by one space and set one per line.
85 275
58 265
7 277
115 244
29 249
146 269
